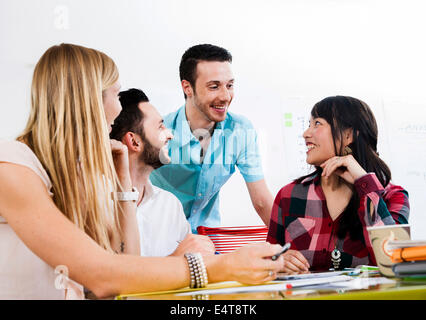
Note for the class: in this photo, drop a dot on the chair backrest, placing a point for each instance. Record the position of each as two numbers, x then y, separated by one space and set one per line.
227 239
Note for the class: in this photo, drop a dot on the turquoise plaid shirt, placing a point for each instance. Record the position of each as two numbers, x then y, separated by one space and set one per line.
196 184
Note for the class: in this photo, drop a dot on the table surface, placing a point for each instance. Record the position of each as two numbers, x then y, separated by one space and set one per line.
413 289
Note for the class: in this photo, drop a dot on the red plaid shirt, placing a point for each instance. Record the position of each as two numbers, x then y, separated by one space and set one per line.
300 216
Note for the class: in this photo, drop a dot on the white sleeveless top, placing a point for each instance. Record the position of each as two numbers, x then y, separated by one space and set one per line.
23 275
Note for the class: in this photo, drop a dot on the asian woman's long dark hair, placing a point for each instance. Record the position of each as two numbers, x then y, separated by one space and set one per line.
343 113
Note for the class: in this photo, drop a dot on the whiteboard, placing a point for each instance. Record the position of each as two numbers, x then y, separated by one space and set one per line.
406 133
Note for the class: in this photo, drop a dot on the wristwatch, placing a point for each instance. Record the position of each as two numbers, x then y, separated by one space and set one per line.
128 196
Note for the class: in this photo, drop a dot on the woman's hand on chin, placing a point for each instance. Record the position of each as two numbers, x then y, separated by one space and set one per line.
345 167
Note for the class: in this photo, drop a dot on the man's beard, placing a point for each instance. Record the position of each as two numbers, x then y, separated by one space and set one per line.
151 155
203 108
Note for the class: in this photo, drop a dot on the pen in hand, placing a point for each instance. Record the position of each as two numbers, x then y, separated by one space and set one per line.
179 241
285 248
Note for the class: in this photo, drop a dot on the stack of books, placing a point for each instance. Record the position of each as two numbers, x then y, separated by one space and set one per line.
409 257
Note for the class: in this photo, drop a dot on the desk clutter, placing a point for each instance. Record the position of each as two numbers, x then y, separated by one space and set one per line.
409 258
363 279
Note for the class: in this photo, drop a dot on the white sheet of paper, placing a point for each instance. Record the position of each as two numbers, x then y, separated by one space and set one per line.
361 283
309 275
396 244
278 286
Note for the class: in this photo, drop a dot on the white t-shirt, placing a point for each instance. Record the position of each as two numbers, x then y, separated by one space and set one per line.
23 275
162 222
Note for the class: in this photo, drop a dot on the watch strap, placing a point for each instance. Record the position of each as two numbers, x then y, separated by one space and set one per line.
128 196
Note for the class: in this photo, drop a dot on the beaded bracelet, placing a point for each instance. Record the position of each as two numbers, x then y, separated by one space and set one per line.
197 270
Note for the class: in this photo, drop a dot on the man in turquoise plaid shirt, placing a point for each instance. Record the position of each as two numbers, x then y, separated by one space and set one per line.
209 142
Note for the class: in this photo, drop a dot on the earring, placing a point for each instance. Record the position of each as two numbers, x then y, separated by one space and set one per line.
347 151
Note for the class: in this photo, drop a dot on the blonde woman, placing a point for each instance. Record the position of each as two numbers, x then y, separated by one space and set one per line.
58 215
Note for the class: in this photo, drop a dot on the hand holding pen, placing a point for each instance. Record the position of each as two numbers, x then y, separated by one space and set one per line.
195 243
285 248
294 261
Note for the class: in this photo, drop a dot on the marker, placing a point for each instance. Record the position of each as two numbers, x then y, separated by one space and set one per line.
369 268
285 248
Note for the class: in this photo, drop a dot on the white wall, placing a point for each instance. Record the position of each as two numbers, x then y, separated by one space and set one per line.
287 56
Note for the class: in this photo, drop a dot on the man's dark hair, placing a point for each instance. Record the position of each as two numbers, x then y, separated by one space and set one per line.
195 54
130 117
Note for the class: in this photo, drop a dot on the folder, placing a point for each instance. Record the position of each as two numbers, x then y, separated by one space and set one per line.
409 254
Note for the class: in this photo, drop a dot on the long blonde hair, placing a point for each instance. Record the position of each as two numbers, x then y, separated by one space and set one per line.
67 131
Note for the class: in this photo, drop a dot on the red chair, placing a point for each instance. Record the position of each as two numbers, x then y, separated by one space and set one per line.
227 239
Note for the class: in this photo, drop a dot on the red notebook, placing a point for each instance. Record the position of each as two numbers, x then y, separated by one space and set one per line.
227 239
